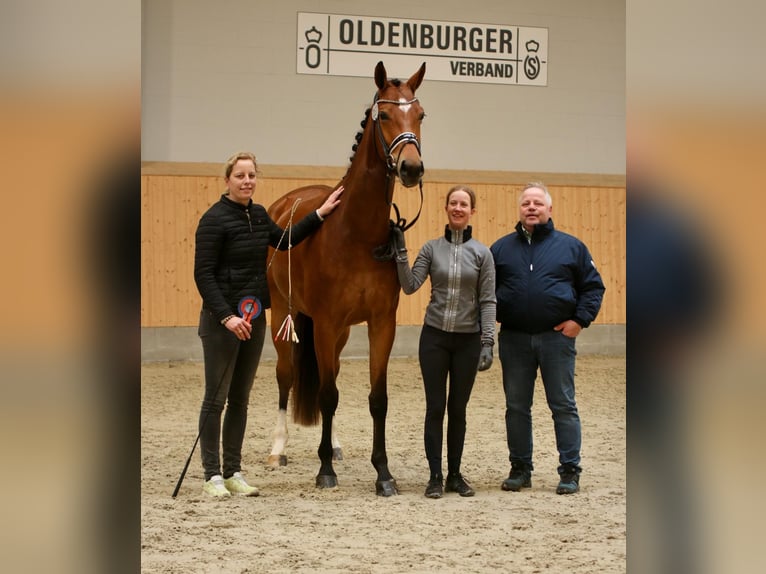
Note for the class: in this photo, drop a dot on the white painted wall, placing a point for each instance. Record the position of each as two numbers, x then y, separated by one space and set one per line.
219 76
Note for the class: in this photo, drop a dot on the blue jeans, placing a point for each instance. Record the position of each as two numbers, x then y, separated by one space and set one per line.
521 354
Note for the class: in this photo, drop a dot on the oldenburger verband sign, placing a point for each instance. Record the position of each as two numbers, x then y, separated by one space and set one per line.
344 45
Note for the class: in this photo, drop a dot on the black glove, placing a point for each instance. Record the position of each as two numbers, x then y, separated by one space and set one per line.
485 359
397 240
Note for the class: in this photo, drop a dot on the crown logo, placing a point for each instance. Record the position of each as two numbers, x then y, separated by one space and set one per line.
313 36
533 46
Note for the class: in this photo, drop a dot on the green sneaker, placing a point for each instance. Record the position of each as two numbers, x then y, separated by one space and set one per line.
236 484
215 487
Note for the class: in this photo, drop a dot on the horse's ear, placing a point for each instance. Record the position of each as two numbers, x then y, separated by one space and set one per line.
381 77
417 78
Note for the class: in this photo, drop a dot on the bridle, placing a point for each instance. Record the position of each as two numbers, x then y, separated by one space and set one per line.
399 141
402 139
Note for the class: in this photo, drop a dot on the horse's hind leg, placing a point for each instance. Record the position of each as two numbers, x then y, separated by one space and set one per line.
337 450
278 457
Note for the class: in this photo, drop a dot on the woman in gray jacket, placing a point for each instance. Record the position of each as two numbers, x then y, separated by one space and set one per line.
458 331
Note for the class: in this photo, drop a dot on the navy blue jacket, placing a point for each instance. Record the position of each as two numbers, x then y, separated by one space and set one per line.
232 242
542 283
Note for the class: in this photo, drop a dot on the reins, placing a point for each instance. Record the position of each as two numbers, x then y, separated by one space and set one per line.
400 221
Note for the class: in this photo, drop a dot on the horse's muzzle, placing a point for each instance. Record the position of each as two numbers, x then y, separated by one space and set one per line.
410 172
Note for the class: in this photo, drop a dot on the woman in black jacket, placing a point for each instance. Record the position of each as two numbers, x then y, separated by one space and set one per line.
232 242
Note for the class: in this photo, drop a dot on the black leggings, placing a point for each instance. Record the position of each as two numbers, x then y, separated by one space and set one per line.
230 366
442 354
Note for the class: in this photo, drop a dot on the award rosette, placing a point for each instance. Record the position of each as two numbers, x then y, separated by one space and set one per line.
249 307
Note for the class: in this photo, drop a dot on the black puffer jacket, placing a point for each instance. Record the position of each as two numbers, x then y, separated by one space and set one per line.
232 242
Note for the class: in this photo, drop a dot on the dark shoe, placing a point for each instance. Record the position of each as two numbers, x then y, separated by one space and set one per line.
519 477
456 483
569 482
434 488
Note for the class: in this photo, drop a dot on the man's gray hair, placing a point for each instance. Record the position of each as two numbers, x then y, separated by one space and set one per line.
540 185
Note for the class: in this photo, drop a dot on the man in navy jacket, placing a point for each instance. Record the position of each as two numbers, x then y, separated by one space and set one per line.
548 290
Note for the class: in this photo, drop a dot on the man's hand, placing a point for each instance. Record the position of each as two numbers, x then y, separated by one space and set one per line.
569 328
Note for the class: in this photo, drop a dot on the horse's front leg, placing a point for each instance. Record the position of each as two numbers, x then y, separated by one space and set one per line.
381 337
327 367
328 403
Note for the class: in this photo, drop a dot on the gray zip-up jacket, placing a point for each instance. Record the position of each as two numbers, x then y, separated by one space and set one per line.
462 283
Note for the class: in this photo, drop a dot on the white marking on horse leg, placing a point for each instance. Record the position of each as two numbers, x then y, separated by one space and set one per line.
337 451
334 438
280 437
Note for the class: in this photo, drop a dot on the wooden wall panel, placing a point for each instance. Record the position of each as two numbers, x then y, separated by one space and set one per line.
172 204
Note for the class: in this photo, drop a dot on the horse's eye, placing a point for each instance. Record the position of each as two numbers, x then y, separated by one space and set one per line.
422 116
384 116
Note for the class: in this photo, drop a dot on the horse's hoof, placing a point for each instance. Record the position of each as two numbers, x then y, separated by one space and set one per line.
327 481
337 453
386 487
276 460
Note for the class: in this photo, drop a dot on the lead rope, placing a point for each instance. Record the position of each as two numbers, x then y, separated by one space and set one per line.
286 330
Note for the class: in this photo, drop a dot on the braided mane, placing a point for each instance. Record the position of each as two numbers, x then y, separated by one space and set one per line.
358 137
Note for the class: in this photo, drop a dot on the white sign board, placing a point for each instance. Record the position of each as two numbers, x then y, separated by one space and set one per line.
342 45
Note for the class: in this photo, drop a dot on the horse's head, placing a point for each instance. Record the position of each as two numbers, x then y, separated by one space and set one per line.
397 115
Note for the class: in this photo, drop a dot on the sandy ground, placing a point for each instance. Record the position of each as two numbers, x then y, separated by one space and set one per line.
295 527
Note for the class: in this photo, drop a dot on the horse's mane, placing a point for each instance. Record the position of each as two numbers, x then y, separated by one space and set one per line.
358 137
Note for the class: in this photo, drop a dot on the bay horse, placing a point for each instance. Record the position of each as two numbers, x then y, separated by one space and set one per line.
337 277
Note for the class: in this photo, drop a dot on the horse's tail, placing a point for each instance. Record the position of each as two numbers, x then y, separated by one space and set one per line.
306 374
